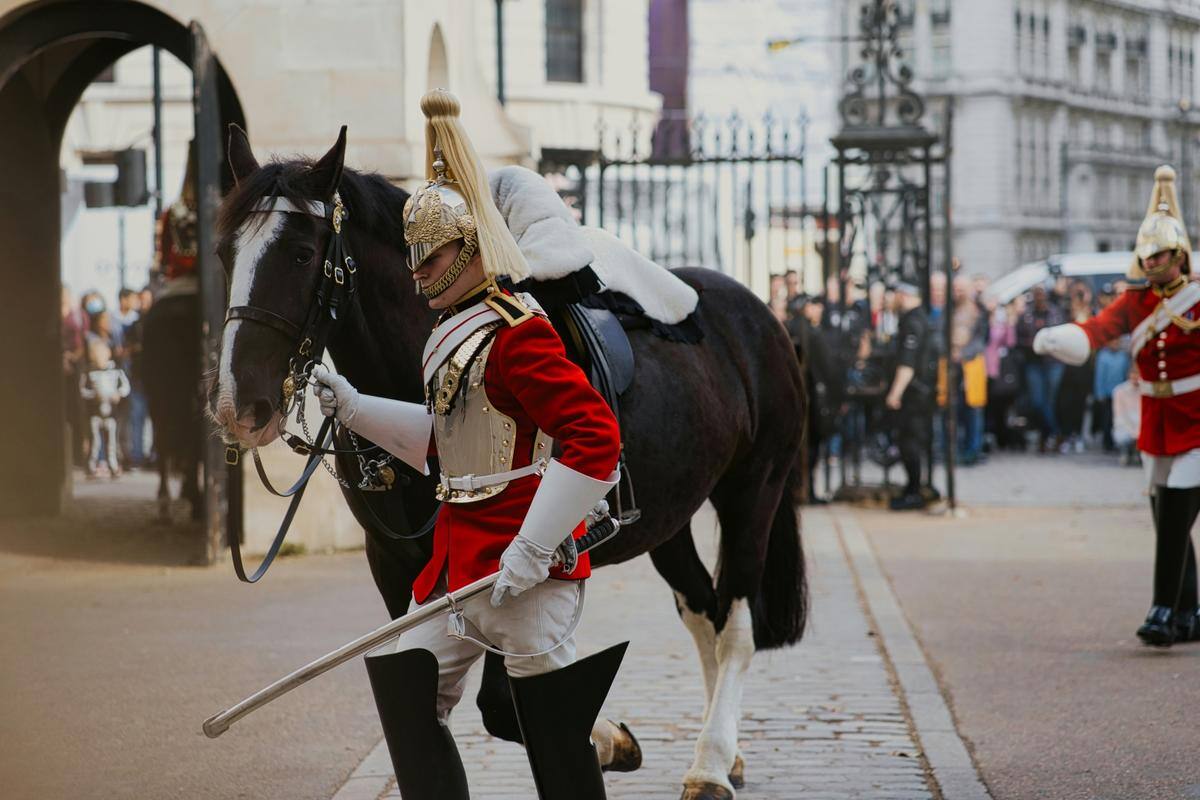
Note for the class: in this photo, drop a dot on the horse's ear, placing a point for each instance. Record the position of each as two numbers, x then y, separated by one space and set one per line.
241 158
327 173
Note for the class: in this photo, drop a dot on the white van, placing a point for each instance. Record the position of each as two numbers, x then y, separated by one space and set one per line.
1096 269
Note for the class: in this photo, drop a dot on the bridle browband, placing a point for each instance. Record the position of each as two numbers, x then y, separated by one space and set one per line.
337 289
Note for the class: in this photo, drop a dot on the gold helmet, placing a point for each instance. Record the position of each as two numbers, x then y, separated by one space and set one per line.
1163 227
456 202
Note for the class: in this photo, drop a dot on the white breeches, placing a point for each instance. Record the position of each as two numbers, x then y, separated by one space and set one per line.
1174 472
528 623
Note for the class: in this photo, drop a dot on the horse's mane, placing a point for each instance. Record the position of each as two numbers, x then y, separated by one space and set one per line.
374 204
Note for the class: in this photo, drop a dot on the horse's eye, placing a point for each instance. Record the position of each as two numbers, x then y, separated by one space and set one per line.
304 256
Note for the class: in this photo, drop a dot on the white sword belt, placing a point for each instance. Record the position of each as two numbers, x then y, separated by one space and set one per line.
473 483
1162 389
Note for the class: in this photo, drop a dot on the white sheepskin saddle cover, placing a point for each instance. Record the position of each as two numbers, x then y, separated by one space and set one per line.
555 245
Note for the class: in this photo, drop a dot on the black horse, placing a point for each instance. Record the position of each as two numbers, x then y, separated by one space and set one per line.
721 420
171 365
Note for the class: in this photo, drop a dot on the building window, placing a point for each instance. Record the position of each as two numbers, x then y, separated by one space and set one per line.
564 41
1103 76
939 12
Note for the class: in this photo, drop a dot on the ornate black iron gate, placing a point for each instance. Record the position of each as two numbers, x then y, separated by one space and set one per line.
885 166
721 192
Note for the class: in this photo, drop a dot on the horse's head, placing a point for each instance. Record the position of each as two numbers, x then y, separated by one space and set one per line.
274 262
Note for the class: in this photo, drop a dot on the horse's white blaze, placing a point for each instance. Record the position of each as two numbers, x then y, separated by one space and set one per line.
704 633
717 746
252 241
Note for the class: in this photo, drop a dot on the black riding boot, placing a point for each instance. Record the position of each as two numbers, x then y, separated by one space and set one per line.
556 711
423 752
1187 613
1174 512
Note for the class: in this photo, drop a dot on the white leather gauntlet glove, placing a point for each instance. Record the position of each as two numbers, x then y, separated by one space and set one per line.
397 426
335 394
523 565
562 500
1068 343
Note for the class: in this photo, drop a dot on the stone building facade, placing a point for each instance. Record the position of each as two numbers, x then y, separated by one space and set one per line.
1061 111
296 70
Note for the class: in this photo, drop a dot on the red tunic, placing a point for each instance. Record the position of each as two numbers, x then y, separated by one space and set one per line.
1170 425
528 378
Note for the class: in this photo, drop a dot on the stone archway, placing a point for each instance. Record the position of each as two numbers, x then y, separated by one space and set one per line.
50 51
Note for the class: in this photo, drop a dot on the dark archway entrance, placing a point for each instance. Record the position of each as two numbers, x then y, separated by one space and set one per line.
49 53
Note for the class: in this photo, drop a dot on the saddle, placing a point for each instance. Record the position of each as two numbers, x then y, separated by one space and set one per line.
598 343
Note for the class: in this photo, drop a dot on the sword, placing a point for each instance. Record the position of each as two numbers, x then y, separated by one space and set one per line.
598 533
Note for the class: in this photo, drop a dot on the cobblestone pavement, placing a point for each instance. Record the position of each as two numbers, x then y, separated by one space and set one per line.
1028 479
820 720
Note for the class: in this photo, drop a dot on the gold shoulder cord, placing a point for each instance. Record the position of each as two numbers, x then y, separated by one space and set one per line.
1167 292
1184 324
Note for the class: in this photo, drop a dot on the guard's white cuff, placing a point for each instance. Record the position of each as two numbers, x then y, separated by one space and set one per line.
562 500
400 427
1068 343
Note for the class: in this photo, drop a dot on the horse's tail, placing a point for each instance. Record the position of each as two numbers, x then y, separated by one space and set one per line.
780 610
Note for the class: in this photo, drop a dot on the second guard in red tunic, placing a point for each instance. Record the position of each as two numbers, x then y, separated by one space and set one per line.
1162 319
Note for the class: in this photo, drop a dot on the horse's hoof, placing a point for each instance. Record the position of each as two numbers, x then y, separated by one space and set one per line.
706 791
626 754
737 775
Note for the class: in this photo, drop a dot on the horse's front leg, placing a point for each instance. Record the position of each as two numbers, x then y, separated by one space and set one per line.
717 747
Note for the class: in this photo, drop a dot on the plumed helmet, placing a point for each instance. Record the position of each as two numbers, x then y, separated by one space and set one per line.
1163 228
436 215
456 201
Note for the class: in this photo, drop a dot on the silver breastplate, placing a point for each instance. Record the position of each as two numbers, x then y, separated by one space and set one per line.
473 438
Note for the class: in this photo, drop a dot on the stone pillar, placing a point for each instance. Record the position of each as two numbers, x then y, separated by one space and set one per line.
33 474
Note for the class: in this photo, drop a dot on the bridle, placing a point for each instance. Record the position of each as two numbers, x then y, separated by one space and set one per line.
333 295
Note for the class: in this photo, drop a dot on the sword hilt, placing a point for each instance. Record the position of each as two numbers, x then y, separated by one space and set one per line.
597 534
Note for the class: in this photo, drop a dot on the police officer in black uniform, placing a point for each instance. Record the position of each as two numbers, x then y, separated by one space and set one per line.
911 396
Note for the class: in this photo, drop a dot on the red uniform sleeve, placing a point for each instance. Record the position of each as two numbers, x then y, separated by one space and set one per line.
557 396
1111 322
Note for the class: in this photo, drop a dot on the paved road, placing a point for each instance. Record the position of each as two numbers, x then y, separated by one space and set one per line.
820 720
113 655
1028 616
1027 480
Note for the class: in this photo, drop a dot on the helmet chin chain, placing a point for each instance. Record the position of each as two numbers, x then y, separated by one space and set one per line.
451 275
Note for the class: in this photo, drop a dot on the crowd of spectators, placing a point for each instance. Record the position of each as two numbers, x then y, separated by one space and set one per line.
103 381
1006 396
